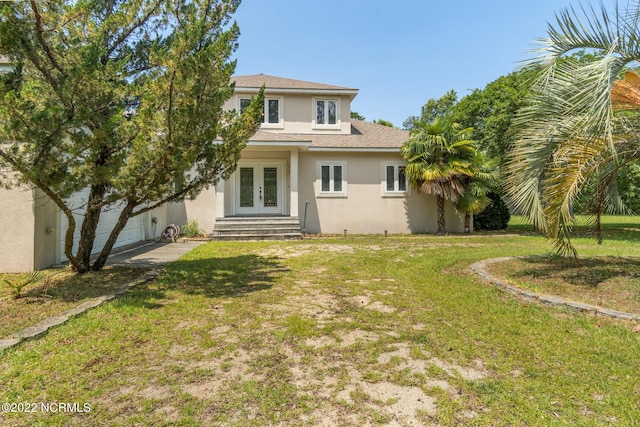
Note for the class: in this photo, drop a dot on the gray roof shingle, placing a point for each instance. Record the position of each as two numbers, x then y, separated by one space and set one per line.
271 82
363 136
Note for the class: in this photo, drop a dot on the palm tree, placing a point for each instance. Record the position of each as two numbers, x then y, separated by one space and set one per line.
568 133
486 179
439 157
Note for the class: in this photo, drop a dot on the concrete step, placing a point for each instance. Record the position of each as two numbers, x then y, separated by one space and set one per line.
257 225
254 230
283 236
257 228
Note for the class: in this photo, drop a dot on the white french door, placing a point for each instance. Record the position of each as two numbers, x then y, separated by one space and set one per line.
259 188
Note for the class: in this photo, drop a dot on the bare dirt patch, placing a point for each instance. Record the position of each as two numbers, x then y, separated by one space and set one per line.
297 251
206 390
357 336
364 302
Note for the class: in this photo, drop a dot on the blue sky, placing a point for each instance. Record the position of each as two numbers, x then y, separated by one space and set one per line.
397 53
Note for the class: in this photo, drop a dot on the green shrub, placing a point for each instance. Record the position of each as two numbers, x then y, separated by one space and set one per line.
21 281
495 217
192 229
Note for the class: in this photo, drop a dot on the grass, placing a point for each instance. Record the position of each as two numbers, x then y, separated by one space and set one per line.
58 290
337 331
612 282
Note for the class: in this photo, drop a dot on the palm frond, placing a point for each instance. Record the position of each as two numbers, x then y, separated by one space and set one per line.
565 133
625 94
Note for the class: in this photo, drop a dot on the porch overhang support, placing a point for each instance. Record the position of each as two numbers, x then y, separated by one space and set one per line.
220 199
293 183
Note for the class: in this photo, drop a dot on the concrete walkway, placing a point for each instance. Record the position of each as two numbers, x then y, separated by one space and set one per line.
152 254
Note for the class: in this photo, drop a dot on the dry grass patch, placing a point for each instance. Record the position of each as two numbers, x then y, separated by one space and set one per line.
346 331
59 290
611 282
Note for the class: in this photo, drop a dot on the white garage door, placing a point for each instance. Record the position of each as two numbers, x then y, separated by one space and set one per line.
132 233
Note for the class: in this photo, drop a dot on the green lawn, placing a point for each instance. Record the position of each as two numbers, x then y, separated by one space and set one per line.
339 331
58 290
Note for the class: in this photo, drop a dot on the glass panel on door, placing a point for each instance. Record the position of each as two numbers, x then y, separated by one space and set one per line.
246 187
270 182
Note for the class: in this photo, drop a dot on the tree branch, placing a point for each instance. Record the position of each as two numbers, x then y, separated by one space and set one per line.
41 40
68 241
127 32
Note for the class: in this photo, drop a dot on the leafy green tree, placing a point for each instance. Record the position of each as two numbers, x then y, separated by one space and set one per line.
120 97
484 180
568 134
629 186
355 115
433 109
495 216
490 111
439 156
383 122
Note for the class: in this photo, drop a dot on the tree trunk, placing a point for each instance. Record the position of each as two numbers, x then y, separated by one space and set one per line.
467 223
115 232
89 226
68 242
441 221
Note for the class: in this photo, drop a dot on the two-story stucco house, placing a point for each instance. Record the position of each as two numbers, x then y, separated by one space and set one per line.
309 164
311 161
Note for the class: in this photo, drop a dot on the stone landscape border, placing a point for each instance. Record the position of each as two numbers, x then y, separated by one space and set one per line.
479 268
42 327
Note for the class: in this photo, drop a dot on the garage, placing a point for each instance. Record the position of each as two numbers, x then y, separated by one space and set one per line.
132 233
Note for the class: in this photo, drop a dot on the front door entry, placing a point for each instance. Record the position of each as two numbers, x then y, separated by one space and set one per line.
259 188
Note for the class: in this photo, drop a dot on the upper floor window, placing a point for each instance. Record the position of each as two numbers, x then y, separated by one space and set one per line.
272 110
326 112
394 179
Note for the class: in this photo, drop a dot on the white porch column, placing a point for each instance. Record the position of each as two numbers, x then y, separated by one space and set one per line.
220 199
293 182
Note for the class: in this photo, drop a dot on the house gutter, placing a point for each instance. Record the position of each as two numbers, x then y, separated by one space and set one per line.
357 150
349 92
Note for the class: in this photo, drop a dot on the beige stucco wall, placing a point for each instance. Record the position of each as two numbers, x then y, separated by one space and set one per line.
18 224
153 230
201 209
298 111
365 210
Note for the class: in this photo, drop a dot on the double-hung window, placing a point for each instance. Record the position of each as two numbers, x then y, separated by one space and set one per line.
332 178
272 111
326 112
394 179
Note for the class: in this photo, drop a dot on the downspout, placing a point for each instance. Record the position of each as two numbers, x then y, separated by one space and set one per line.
304 219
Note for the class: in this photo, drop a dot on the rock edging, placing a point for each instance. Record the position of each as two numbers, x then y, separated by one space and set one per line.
44 326
479 268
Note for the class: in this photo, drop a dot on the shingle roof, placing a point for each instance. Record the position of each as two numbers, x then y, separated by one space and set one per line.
271 82
266 136
363 136
4 59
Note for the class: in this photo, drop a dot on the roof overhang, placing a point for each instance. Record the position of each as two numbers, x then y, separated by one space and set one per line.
280 144
335 92
357 149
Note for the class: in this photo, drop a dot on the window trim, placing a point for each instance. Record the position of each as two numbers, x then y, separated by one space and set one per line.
396 183
265 110
332 164
314 114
